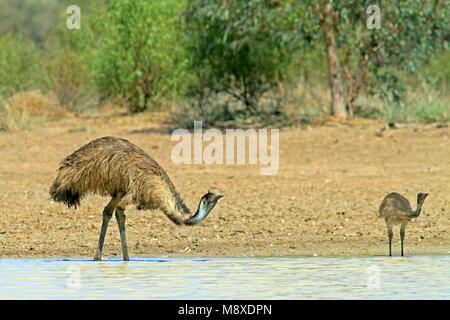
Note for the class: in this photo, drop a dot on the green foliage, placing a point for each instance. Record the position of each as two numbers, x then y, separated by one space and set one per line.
32 19
71 81
437 71
71 59
430 109
410 30
425 106
410 33
20 67
241 48
40 52
140 60
255 62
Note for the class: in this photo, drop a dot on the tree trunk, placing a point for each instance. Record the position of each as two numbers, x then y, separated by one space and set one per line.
337 90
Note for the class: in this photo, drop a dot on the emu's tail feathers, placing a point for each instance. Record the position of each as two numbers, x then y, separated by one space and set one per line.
67 196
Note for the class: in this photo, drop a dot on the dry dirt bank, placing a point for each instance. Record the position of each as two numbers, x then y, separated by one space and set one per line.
323 200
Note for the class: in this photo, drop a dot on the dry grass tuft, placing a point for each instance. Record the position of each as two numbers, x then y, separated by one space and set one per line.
24 109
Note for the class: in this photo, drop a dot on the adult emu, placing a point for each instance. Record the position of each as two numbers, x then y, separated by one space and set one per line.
115 167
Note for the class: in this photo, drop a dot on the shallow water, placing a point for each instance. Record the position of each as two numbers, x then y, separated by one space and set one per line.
415 277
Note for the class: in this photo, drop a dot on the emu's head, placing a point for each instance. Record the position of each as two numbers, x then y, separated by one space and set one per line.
207 203
421 197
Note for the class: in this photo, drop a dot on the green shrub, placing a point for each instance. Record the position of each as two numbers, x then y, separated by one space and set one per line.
429 109
20 66
140 60
71 81
71 58
239 48
423 106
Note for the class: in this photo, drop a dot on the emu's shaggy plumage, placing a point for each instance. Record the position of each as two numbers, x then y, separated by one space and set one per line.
115 167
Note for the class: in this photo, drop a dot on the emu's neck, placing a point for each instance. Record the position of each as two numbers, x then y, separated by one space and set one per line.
418 210
177 216
199 216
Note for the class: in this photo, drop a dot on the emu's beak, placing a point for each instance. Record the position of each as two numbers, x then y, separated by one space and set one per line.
217 197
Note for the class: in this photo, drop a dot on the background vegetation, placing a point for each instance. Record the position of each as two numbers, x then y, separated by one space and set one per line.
255 62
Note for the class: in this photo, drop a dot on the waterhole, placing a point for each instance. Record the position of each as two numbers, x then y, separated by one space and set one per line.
413 277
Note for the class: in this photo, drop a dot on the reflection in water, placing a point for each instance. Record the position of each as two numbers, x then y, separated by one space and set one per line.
421 277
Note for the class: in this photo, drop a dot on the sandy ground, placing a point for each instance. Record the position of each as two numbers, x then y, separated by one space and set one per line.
323 201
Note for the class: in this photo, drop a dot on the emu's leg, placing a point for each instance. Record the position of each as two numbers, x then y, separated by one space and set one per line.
106 217
120 216
107 214
402 235
390 234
